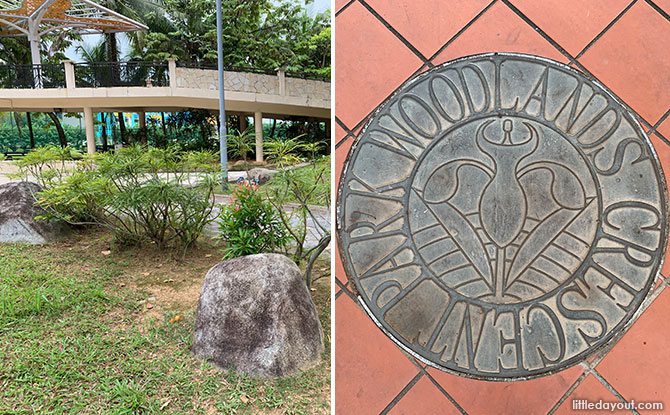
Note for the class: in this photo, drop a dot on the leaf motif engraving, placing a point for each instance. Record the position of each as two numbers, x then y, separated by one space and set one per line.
465 237
537 242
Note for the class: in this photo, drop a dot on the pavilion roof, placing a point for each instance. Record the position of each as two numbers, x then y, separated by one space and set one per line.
85 16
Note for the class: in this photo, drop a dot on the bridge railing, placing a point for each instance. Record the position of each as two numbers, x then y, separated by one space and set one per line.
47 75
117 74
111 74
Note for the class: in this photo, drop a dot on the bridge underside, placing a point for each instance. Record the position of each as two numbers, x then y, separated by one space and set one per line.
135 99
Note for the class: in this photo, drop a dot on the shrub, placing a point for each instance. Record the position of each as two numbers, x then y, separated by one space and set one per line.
250 225
305 186
142 195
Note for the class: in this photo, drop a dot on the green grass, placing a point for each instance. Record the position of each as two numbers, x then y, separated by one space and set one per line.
72 342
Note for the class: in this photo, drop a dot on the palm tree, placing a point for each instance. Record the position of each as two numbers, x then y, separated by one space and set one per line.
241 143
283 152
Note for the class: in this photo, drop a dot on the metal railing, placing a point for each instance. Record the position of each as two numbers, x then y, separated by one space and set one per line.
131 73
114 74
46 75
310 76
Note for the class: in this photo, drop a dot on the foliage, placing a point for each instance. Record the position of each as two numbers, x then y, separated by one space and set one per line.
142 195
283 152
47 165
241 143
250 225
44 132
260 33
294 185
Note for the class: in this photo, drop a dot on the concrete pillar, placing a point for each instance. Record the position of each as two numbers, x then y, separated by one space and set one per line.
70 82
90 131
281 78
243 122
258 124
172 71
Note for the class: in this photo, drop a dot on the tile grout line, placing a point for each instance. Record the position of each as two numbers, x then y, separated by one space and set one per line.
599 35
345 290
367 117
658 9
463 29
342 141
343 8
444 392
611 388
568 392
402 393
537 29
427 62
397 34
342 124
658 123
571 58
643 307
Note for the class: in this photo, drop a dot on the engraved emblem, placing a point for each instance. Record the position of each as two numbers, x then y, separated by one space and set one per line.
502 216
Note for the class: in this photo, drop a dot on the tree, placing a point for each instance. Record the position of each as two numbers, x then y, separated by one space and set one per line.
241 143
259 33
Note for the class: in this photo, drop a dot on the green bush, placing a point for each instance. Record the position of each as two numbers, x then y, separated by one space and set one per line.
142 195
250 225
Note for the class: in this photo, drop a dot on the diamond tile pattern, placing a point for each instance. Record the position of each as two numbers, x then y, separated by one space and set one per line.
380 45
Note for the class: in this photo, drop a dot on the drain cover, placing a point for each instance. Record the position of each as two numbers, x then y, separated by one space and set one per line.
502 216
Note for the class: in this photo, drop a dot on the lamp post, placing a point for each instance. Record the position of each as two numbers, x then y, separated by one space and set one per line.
223 147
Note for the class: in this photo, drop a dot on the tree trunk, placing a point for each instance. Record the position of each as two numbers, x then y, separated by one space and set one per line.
274 124
164 129
143 127
30 130
122 129
18 126
103 118
59 128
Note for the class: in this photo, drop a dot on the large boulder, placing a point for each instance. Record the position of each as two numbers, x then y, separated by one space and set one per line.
17 216
260 174
256 317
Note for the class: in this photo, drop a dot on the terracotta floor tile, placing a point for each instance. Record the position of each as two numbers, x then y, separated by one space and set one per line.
369 370
339 133
663 4
572 24
339 4
340 155
638 366
663 151
631 59
664 128
339 270
371 63
424 398
499 30
593 391
530 397
428 24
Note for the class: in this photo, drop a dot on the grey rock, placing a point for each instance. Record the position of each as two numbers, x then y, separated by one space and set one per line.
17 216
256 317
263 175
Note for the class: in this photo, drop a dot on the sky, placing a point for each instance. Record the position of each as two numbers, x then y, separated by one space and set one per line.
315 7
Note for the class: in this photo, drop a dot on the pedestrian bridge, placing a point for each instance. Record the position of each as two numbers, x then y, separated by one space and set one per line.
161 86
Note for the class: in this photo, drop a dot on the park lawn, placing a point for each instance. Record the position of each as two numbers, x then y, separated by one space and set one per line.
85 331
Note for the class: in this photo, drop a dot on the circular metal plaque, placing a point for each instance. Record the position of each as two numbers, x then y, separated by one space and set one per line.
502 216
